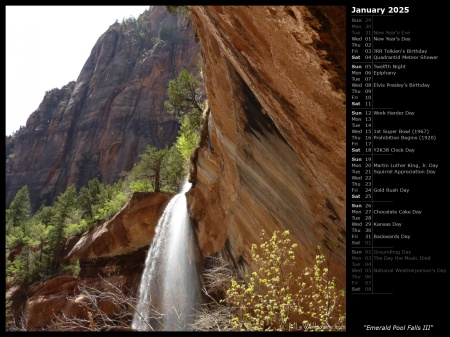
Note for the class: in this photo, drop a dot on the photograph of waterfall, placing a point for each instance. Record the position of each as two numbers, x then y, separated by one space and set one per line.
192 177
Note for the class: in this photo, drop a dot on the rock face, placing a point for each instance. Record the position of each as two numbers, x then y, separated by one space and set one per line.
129 230
98 125
113 253
47 300
275 82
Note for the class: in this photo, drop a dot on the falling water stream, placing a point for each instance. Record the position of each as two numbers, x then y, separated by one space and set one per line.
169 290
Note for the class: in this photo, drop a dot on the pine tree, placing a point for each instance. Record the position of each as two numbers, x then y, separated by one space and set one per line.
185 94
150 166
63 207
85 202
20 208
95 187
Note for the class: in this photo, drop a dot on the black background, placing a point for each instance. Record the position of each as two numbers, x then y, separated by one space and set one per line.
416 299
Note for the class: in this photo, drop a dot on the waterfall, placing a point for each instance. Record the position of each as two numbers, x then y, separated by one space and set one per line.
169 291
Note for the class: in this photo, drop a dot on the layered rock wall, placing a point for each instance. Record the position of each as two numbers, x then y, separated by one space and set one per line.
275 79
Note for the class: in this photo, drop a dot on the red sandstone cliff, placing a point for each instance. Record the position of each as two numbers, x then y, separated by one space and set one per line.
98 125
275 80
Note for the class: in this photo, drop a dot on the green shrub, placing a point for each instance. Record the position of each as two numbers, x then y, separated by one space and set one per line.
76 228
141 186
188 135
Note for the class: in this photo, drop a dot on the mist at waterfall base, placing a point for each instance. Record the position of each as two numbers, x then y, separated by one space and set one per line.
170 291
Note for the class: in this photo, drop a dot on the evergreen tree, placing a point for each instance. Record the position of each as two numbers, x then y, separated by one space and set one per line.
18 270
45 215
173 171
39 235
186 102
151 165
185 94
20 209
85 202
95 187
63 207
157 170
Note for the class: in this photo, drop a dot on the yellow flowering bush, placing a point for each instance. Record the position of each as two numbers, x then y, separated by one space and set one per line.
273 299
